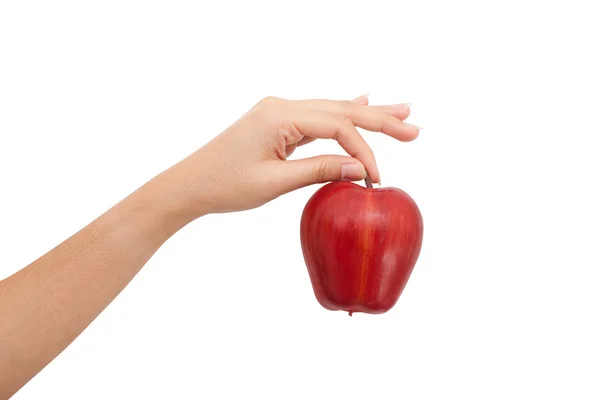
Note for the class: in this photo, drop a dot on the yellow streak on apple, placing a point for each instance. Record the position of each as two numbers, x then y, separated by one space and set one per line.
365 243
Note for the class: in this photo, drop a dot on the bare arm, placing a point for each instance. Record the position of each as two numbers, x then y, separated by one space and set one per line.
46 305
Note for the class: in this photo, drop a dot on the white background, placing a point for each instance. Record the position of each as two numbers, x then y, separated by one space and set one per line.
98 97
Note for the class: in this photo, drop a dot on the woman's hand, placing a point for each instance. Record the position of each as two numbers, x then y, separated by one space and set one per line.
51 301
246 165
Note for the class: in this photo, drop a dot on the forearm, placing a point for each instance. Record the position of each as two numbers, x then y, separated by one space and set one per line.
46 305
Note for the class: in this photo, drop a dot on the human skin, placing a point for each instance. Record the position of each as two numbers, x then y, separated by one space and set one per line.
47 304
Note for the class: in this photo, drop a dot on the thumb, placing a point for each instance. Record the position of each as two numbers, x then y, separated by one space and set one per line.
320 169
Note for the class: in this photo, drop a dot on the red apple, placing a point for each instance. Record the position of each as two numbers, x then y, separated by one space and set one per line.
360 245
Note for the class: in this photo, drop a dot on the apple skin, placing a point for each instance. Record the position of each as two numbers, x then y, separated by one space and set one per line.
360 245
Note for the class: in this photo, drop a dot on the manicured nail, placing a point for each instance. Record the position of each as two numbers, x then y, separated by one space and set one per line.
361 98
353 172
402 106
413 126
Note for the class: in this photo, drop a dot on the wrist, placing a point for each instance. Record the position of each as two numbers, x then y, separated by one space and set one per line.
156 209
173 195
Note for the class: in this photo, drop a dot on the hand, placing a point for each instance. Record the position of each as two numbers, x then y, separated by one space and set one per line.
242 168
246 165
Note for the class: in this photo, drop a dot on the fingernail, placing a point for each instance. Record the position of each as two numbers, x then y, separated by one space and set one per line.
401 106
413 126
353 172
361 98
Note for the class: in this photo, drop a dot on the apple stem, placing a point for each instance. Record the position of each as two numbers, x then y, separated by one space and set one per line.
369 182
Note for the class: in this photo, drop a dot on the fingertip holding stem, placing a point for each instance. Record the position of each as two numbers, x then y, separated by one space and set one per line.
353 172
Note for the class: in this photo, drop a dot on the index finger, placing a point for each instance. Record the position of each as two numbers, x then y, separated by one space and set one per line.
319 124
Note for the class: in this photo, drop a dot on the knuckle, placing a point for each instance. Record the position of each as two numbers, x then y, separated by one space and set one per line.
347 107
347 123
342 122
322 172
269 110
385 122
345 126
269 101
